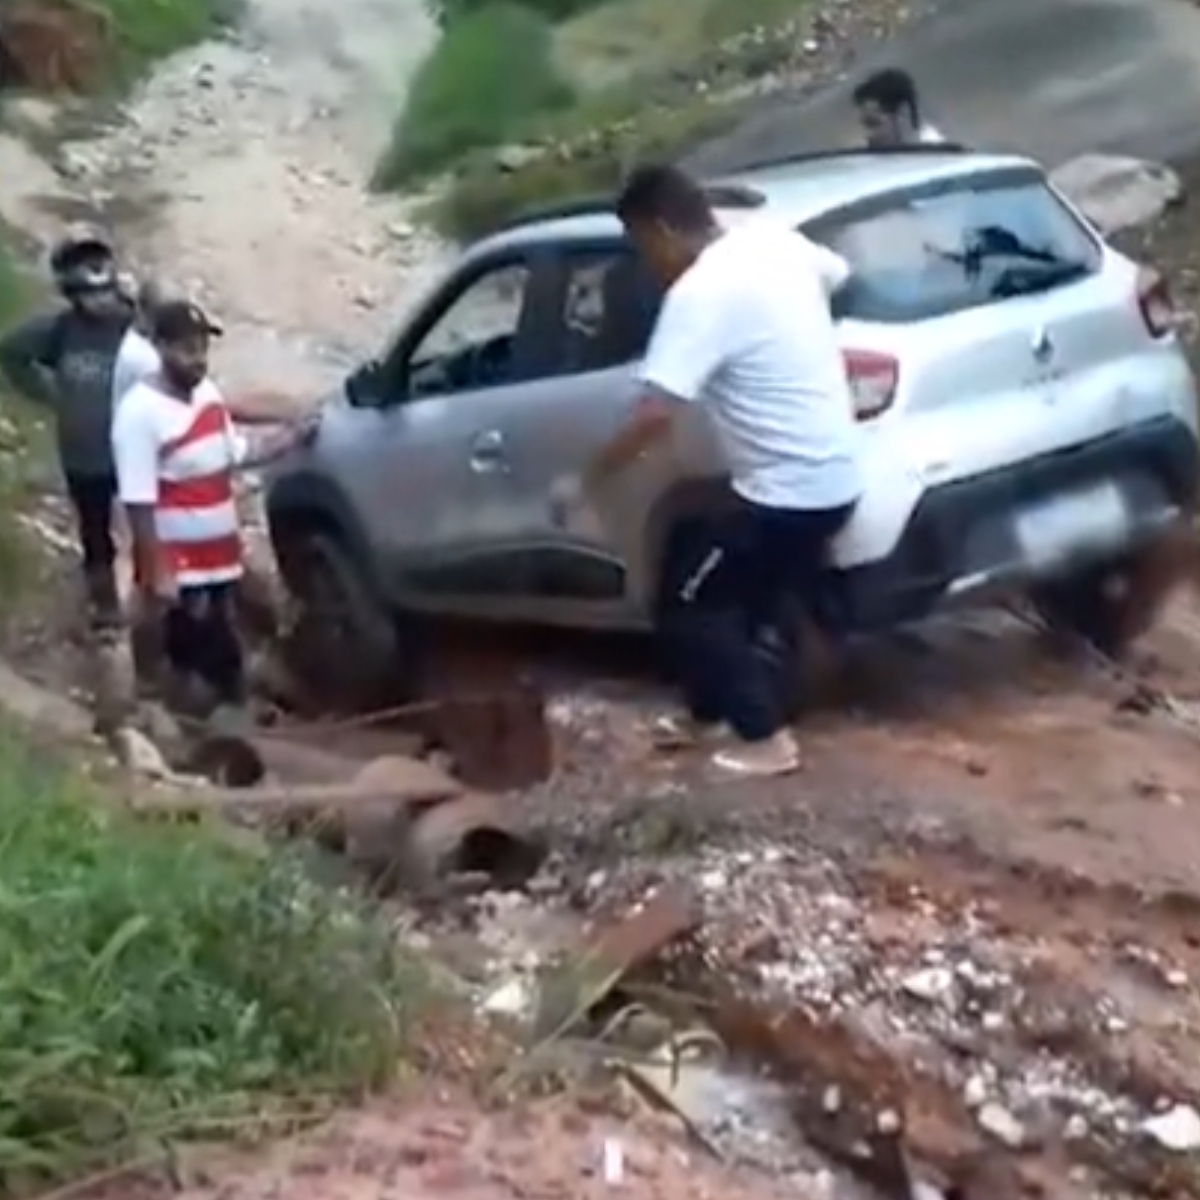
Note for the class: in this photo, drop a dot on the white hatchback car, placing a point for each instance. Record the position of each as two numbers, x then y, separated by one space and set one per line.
1029 414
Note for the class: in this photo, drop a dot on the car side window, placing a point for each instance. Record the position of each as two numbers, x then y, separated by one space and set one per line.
472 344
606 311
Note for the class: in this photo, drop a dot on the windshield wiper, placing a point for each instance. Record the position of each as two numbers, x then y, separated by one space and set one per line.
994 241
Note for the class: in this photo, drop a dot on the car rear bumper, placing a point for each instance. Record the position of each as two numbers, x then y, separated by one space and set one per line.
961 540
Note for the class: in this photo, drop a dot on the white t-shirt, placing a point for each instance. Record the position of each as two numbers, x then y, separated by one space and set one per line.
930 135
137 359
748 332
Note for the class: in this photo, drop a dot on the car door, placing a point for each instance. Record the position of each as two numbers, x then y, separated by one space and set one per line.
435 476
594 324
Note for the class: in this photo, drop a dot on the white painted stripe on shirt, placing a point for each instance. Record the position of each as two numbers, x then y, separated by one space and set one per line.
195 460
205 578
186 526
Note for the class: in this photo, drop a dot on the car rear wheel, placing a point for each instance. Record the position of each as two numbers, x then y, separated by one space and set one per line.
345 643
1112 605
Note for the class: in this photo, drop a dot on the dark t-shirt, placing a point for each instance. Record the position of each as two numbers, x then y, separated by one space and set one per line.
66 361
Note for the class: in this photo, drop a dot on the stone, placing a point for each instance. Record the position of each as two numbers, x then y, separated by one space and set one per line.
999 1123
1116 192
1177 1129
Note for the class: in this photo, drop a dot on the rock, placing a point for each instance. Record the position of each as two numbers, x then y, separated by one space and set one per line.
975 1092
933 984
1000 1124
1177 1129
140 755
511 999
1116 192
1076 1128
513 158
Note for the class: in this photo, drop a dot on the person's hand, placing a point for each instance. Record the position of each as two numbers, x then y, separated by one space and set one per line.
572 507
567 500
162 590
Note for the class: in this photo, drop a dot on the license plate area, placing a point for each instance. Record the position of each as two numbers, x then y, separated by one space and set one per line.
1087 523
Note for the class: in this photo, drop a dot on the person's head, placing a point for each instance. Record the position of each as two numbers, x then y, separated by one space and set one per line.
150 296
889 110
84 267
667 217
181 332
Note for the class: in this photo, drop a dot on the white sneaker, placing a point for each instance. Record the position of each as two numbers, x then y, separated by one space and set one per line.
778 755
678 731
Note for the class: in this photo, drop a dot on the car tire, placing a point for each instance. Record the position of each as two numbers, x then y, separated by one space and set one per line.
345 643
1112 605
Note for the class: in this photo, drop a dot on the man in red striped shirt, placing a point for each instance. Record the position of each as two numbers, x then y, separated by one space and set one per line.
176 450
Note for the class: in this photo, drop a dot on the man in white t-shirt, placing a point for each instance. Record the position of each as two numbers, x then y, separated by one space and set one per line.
176 450
745 329
889 111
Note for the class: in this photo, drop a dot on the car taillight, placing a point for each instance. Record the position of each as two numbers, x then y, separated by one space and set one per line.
1156 304
873 378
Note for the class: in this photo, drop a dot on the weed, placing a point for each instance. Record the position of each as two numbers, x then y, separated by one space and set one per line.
484 197
156 982
147 30
489 76
18 438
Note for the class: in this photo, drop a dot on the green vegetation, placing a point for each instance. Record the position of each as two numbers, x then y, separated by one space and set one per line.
146 30
17 433
490 75
450 12
157 983
483 197
651 78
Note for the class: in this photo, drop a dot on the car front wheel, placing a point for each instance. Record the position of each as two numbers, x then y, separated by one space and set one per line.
345 643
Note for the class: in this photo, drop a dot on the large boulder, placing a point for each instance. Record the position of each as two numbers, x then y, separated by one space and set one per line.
1117 193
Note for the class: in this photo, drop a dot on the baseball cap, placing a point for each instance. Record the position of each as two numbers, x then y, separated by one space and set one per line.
179 319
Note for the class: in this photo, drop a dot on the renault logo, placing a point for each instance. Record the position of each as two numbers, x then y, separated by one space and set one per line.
1043 346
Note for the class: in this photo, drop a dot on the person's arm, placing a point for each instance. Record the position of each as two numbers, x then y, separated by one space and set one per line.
685 351
262 406
834 271
27 358
135 453
264 448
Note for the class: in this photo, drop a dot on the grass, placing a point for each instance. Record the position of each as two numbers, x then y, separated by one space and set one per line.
147 30
489 76
483 197
623 39
655 78
156 983
19 437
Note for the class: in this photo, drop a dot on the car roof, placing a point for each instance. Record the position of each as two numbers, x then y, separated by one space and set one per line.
795 190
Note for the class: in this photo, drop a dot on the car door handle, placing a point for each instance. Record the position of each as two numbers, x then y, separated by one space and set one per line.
487 452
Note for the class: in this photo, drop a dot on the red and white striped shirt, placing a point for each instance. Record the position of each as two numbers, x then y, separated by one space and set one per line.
179 456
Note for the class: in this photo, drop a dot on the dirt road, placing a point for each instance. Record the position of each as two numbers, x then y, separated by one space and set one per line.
986 879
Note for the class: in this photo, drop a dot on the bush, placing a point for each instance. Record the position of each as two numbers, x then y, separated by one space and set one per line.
146 30
487 78
157 983
15 441
484 197
450 12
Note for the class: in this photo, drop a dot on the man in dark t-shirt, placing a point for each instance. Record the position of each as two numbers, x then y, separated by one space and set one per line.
71 361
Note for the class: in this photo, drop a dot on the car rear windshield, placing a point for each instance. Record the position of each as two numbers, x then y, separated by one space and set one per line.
954 245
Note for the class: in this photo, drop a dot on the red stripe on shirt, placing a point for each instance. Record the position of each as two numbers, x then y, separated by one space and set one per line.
218 554
212 418
203 492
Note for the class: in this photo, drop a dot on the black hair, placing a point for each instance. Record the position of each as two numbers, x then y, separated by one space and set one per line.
893 90
666 193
